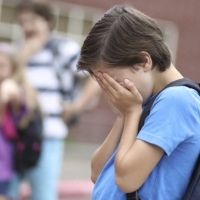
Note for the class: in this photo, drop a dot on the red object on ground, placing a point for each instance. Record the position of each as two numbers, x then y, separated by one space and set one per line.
75 188
69 188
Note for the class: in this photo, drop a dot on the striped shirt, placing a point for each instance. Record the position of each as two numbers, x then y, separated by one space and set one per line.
52 71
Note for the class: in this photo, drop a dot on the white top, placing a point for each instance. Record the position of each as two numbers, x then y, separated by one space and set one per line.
58 56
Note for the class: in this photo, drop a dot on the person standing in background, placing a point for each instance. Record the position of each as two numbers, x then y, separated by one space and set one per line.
18 100
51 69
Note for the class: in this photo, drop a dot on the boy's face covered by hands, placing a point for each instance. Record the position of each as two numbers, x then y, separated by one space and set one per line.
124 87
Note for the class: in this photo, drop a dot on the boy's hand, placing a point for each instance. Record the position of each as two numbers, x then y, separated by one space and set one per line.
126 100
35 43
9 90
69 111
31 46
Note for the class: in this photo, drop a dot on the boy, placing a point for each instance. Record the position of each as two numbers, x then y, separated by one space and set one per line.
51 69
126 53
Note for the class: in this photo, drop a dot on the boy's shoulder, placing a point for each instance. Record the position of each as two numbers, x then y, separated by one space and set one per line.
182 93
63 41
65 47
178 97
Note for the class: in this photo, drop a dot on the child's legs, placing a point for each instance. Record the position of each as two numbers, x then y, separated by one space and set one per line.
4 186
44 177
13 190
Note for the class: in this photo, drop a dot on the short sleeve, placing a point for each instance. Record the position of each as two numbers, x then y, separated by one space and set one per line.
171 118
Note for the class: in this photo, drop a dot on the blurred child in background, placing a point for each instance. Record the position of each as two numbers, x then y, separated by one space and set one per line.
51 69
15 95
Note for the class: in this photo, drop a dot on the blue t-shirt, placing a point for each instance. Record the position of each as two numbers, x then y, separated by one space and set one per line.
174 126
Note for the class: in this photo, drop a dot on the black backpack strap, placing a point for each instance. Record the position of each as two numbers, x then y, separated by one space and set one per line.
180 82
193 190
132 196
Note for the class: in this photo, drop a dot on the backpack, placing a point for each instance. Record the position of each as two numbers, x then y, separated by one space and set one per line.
193 190
28 146
8 125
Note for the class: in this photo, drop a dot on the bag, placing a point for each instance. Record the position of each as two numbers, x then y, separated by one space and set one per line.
8 126
193 190
29 144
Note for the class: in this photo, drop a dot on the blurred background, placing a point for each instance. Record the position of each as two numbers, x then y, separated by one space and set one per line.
180 23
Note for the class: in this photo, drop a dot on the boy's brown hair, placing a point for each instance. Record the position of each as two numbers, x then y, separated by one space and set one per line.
120 37
41 9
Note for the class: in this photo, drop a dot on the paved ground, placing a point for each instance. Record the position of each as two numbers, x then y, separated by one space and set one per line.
76 171
77 159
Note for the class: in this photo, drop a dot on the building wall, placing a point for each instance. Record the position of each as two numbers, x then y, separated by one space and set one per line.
183 15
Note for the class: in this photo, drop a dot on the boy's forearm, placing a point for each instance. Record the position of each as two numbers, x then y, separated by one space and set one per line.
105 151
128 137
24 54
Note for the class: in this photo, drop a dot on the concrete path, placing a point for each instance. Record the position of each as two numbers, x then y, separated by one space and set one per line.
76 171
77 158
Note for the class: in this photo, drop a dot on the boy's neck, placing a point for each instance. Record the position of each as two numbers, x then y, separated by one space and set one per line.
164 78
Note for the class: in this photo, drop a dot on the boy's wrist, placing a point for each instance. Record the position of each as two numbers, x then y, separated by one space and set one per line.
120 115
76 107
134 113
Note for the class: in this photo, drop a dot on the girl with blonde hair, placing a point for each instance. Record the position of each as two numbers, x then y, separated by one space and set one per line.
17 97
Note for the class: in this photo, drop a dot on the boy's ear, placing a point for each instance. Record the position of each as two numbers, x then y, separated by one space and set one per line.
147 64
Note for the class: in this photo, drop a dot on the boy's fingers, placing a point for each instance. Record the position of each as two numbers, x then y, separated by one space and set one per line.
130 86
106 86
109 85
112 82
106 91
